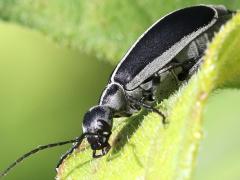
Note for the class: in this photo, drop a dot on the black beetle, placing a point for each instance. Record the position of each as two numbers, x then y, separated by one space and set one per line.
174 45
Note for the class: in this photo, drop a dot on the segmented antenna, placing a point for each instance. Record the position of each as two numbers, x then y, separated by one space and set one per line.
80 139
39 148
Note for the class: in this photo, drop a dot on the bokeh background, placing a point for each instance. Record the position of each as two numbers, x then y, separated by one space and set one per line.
46 84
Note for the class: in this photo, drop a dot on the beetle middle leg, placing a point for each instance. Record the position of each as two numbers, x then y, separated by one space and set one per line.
190 69
149 107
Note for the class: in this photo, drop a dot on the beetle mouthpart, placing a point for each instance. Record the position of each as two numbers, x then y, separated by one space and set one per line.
104 151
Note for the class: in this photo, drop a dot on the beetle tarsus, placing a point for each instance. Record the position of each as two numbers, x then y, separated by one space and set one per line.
95 155
104 151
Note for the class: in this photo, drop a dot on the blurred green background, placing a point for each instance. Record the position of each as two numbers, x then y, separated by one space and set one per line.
47 87
45 90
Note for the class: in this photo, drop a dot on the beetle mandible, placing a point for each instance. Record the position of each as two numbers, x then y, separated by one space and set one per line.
174 45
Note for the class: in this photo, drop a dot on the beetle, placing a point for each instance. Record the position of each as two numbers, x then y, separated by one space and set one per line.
173 46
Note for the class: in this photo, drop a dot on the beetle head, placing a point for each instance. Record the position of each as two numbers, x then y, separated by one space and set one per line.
98 122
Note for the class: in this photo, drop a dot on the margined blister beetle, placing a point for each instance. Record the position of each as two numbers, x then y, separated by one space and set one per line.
174 45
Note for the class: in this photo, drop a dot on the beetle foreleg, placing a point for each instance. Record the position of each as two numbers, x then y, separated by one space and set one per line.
104 151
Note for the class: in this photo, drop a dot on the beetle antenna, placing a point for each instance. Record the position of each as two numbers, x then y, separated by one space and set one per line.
75 146
40 148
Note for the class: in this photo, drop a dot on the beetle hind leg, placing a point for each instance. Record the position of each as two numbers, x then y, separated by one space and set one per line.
190 69
149 89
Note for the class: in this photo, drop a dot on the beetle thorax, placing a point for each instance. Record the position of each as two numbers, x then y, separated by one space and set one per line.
114 96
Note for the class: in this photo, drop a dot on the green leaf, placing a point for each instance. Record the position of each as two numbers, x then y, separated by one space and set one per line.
104 28
141 147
